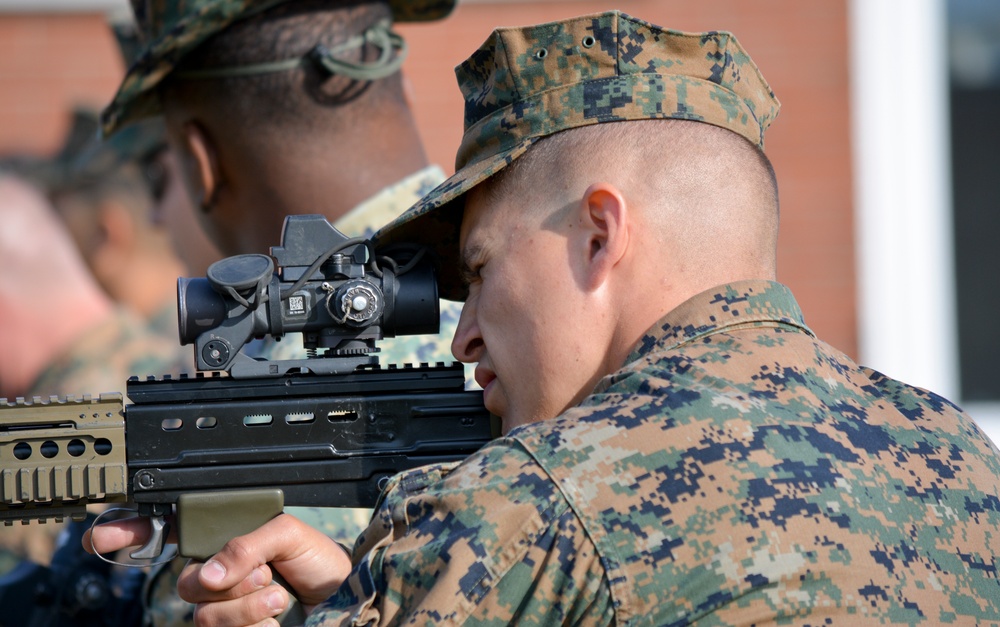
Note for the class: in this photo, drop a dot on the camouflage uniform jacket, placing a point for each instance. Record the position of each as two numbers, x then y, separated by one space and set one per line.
734 471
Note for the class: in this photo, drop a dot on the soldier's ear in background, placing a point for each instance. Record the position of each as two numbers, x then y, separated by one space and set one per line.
201 165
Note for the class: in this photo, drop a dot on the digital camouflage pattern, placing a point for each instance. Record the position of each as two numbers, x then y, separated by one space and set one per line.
735 471
174 28
526 83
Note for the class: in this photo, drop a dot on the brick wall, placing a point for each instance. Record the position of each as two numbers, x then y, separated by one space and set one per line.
49 62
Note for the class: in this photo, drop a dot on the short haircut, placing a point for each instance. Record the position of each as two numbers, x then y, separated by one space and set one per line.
641 141
712 188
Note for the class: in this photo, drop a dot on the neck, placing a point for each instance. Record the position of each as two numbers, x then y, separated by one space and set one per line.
327 174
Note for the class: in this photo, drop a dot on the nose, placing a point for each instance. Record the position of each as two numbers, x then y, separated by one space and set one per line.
467 345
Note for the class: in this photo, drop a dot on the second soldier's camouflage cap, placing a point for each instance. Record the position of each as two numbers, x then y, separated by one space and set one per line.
526 83
174 28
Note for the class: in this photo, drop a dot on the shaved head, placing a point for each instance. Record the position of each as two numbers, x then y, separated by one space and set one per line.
708 193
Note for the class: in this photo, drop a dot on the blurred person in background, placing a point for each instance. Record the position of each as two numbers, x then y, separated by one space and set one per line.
101 341
61 334
78 227
110 198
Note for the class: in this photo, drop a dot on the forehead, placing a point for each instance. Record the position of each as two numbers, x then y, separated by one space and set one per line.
481 212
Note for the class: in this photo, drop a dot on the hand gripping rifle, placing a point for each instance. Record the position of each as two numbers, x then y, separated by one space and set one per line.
219 453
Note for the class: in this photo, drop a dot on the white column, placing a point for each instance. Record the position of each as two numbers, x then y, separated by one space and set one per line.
899 111
902 181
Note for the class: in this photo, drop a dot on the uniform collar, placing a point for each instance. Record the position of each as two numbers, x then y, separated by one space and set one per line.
734 305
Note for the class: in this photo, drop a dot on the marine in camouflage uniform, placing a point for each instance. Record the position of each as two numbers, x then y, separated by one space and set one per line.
735 470
172 31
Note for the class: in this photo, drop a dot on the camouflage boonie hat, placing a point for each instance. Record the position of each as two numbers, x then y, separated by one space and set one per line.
526 83
174 28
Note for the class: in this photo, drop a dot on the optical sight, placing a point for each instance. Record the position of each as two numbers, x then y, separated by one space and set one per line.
334 290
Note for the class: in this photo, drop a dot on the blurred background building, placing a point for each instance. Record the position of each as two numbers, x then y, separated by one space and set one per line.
887 150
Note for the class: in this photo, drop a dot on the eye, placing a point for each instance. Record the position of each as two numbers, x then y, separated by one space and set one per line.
472 274
471 264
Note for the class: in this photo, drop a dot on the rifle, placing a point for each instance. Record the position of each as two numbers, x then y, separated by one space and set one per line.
221 452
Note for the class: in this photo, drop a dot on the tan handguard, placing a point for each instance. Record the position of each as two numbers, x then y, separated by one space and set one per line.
60 454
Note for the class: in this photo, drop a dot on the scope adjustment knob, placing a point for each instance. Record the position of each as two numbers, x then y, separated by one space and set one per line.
356 303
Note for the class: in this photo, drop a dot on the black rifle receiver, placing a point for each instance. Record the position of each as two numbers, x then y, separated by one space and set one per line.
323 440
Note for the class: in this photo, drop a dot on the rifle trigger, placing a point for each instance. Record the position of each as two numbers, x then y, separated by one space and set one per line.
158 537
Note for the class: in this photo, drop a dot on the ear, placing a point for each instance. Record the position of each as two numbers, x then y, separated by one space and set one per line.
205 174
604 217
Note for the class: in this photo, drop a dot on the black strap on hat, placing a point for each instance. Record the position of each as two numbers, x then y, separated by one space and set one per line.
392 48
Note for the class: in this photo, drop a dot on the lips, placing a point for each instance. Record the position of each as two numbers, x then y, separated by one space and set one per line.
484 376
